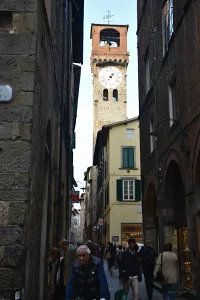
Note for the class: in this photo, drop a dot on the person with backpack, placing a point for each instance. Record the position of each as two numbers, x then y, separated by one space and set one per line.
147 256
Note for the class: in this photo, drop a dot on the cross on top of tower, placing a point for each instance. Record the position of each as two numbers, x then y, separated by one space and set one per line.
108 16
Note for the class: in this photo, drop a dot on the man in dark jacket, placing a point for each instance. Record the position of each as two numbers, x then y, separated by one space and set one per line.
148 258
129 272
87 279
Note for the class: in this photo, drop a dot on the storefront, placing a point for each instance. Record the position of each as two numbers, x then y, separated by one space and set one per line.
131 230
184 258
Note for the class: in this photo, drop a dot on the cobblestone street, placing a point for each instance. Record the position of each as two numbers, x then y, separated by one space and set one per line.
113 283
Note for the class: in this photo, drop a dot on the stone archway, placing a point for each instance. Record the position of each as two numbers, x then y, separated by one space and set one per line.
150 216
175 221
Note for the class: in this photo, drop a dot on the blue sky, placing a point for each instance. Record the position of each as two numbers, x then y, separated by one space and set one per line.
125 12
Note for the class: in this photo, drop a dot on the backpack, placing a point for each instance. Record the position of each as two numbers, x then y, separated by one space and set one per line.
148 257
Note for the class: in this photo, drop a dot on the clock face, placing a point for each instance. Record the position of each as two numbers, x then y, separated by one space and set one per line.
110 77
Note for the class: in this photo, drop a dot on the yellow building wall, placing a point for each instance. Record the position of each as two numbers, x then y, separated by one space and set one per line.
119 212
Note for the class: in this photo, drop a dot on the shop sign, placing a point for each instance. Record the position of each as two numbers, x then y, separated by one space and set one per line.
139 209
100 222
6 93
115 238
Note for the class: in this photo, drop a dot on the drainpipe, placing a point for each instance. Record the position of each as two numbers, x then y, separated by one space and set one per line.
68 115
64 97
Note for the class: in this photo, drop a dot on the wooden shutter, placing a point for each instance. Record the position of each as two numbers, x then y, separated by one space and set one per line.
125 157
137 190
131 157
119 190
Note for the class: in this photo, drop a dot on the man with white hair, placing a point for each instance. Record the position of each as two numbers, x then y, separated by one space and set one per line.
87 279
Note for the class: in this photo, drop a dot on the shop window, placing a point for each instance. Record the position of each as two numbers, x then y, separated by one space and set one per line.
109 37
5 20
105 95
184 257
172 103
167 24
130 133
131 230
128 190
115 95
128 157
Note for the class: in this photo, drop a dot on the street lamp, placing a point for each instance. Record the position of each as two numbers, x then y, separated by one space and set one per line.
83 188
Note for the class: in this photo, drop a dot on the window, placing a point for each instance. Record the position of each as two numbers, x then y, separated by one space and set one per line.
105 95
5 20
167 24
172 102
128 190
109 37
147 73
152 136
128 157
115 95
130 133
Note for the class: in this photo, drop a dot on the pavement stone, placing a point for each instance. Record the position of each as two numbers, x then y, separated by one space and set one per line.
113 283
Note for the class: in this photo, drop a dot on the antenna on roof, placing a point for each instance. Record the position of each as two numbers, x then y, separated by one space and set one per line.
108 16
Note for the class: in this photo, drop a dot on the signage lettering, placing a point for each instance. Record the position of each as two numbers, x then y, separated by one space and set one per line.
6 93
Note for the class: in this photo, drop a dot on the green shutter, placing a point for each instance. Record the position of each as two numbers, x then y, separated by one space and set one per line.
131 158
125 157
137 190
119 190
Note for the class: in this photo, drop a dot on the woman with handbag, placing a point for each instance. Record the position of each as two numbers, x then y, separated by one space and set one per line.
167 271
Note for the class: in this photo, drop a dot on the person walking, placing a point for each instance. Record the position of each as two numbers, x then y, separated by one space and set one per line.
110 255
70 257
129 271
87 279
147 257
168 262
55 278
119 255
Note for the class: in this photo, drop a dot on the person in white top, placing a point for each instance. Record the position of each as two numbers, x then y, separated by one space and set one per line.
168 260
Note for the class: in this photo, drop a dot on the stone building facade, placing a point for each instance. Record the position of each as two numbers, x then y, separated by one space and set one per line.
37 126
169 73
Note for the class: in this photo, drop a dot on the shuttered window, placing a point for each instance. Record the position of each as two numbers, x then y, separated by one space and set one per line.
128 157
128 190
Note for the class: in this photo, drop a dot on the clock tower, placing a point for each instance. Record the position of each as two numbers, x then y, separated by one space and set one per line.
109 61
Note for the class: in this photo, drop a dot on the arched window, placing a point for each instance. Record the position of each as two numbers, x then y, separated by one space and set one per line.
115 95
109 36
105 95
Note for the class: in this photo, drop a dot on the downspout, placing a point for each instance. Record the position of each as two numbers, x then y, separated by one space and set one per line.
68 116
63 97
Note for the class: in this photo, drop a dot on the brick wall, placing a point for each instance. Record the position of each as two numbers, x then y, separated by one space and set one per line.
181 63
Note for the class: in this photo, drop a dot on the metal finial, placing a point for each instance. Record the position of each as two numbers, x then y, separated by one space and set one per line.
108 16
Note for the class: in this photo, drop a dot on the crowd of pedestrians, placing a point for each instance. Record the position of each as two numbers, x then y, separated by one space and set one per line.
80 274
